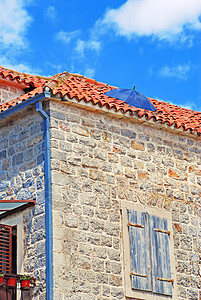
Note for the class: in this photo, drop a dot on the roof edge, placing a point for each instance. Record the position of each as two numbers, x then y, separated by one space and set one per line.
24 105
173 127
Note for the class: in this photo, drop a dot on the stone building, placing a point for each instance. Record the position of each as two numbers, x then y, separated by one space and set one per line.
110 194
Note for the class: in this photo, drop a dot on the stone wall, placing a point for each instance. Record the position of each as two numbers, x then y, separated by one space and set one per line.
9 92
97 161
22 177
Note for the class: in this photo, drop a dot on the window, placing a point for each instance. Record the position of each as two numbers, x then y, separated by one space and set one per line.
8 243
5 248
148 253
8 256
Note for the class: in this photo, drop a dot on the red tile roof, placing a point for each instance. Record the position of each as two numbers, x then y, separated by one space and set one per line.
88 90
30 80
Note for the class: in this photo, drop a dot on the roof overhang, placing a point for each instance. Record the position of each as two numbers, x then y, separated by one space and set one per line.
134 117
8 207
14 83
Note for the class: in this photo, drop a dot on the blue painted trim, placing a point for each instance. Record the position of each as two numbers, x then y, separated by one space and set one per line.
24 105
48 203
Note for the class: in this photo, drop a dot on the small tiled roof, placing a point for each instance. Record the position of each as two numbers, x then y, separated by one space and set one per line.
66 85
31 80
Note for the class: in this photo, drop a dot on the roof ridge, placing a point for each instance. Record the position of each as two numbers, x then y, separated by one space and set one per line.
58 75
56 80
91 80
67 86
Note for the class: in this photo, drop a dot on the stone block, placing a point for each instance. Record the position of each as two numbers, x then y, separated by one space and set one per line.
82 287
97 226
89 163
117 293
137 145
84 262
85 249
106 290
60 178
112 229
97 265
96 175
17 159
94 238
71 221
84 223
102 278
183 280
96 290
65 146
186 243
88 122
115 280
100 252
88 199
57 245
58 218
57 134
106 241
23 135
13 139
113 254
3 154
80 130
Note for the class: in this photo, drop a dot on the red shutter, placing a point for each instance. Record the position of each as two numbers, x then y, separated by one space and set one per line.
5 248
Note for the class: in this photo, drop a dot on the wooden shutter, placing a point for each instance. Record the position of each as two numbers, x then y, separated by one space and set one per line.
5 248
139 250
160 257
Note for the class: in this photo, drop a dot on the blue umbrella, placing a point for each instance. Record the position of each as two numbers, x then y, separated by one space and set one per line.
132 97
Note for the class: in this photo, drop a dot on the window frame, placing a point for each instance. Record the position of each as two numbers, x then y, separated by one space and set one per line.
6 247
158 212
17 221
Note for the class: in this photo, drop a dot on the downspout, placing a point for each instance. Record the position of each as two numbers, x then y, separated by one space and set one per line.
48 202
48 193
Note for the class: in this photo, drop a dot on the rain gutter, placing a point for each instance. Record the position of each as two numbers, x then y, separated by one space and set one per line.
48 194
48 202
24 105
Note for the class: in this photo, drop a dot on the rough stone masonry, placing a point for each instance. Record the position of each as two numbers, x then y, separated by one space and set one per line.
22 177
98 160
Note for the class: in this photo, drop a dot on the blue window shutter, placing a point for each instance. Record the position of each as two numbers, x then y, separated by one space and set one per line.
160 257
139 250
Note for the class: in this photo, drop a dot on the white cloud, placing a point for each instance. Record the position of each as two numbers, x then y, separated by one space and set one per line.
67 37
51 13
83 51
87 45
165 19
10 63
85 70
178 71
89 72
14 21
80 45
187 105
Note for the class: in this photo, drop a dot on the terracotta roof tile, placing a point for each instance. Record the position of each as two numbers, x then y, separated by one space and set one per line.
31 80
89 90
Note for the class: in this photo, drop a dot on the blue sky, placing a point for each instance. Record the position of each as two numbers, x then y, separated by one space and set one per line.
152 44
